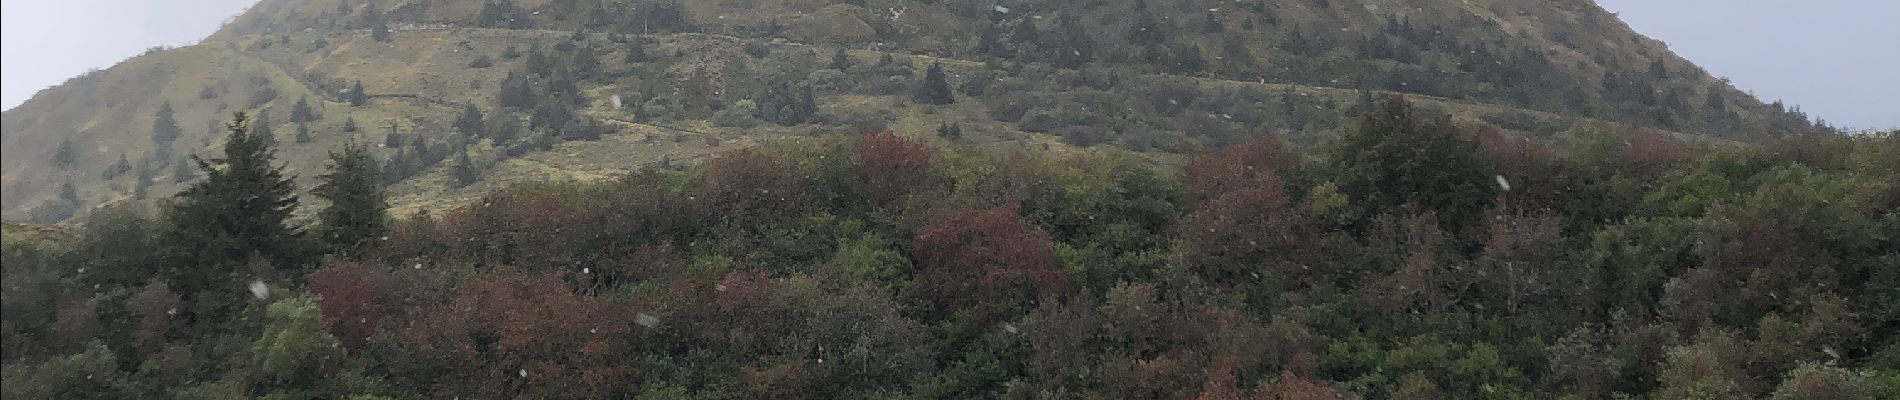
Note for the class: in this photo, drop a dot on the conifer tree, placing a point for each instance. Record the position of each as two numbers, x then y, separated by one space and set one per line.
142 183
934 89
1145 30
349 124
357 214
261 128
470 123
840 61
66 155
301 112
184 171
786 103
116 169
380 31
465 172
636 51
68 193
356 96
393 139
165 130
239 212
303 133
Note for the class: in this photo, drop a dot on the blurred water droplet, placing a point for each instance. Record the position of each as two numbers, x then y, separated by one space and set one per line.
259 289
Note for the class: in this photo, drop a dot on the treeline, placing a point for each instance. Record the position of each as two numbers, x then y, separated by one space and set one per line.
1413 257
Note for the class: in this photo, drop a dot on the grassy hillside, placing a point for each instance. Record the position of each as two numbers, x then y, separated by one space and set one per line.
1251 78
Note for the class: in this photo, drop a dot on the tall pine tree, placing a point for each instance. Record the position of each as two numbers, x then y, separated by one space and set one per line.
261 128
470 123
301 112
184 171
840 61
66 155
68 193
357 215
465 172
303 133
934 89
165 129
238 213
357 96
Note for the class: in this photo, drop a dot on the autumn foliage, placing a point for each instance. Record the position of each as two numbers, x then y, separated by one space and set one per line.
891 165
1243 224
1601 263
509 333
984 260
356 299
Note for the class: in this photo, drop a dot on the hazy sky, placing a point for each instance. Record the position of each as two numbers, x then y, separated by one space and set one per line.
47 41
1834 58
1831 57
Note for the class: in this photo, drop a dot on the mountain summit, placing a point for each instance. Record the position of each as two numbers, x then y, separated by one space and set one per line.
466 95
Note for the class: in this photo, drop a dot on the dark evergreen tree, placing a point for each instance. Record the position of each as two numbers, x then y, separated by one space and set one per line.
516 92
349 124
1073 45
950 131
1146 29
504 127
262 129
370 16
425 154
470 122
113 171
1298 44
502 14
184 171
142 181
1210 23
550 114
1658 70
583 128
301 112
357 214
465 172
1290 108
1186 58
397 167
380 32
636 51
357 96
68 193
393 138
66 155
989 42
840 60
239 212
934 89
786 103
165 130
1026 35
303 133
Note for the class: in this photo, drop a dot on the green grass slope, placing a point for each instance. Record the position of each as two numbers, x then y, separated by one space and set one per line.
722 53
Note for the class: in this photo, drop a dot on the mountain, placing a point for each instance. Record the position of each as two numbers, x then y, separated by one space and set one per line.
586 89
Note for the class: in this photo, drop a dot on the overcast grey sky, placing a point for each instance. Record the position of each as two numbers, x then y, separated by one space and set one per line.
47 41
1834 58
1831 57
